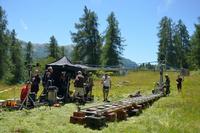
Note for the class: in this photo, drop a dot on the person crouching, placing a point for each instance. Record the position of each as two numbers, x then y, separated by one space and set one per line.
25 91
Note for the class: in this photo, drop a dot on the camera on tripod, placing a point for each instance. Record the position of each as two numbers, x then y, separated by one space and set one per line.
30 68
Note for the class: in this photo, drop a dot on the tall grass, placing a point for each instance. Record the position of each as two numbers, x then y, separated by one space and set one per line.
180 112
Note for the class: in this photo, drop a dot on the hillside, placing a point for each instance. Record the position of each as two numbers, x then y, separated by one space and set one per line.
40 51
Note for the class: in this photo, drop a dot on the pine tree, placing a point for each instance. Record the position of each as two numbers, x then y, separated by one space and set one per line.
62 51
16 59
87 39
3 44
113 43
182 45
29 53
166 50
195 45
53 48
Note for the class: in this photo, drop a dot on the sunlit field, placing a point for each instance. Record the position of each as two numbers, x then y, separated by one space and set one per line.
180 112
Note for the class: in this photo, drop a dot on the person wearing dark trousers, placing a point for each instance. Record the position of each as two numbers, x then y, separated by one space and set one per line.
35 82
106 81
64 86
79 87
47 79
179 81
89 85
167 84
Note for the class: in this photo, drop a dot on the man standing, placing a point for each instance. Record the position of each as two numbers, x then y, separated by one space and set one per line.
167 84
89 85
47 79
35 82
179 81
106 81
79 86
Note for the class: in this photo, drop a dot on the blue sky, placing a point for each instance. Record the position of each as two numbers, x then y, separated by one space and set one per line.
37 20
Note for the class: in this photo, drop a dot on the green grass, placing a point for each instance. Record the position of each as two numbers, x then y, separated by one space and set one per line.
180 112
13 90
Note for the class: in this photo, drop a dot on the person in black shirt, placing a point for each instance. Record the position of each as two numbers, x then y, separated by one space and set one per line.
47 79
35 82
89 85
64 84
179 81
167 84
79 86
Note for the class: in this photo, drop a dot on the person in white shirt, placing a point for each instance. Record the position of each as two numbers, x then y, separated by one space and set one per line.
106 81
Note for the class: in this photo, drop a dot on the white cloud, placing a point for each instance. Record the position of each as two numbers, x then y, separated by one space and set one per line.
23 24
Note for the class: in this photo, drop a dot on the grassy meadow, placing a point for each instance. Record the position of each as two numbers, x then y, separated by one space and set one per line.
180 112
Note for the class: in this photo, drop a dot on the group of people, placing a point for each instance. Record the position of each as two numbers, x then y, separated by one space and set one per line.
83 86
166 85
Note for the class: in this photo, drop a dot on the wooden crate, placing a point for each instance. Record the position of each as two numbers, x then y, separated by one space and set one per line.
121 115
111 117
79 114
77 120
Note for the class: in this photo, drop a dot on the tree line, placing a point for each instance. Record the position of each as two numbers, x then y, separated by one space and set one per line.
16 61
92 48
176 48
89 47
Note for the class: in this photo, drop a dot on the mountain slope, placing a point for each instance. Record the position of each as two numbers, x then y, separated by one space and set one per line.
40 51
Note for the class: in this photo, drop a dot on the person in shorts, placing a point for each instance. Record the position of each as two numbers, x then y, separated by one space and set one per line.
106 82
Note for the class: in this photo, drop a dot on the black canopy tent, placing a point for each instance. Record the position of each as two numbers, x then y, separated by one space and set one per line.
63 65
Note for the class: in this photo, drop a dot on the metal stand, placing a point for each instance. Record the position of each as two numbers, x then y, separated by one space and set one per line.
26 100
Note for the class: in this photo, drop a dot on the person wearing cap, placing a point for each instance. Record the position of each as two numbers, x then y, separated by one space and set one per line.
47 79
79 86
25 91
106 82
167 84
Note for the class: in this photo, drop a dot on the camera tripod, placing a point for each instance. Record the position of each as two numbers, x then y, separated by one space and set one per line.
27 99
